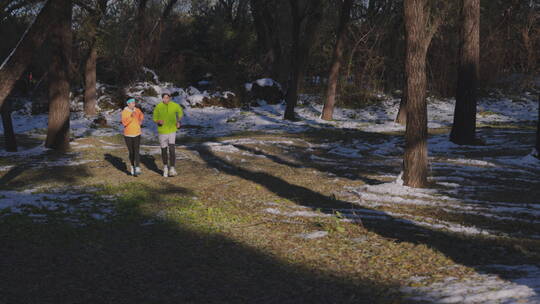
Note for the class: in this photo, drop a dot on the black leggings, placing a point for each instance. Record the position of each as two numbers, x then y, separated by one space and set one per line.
133 144
171 157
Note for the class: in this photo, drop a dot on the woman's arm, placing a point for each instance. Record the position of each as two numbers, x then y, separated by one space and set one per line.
126 118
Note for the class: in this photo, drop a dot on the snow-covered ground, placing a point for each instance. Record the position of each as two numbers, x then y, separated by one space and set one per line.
483 288
71 205
467 179
216 121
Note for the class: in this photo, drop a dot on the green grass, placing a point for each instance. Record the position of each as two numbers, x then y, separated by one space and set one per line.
204 236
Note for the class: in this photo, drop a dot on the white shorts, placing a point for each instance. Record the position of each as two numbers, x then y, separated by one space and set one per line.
167 139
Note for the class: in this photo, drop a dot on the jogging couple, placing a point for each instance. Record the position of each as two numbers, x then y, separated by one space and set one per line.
167 115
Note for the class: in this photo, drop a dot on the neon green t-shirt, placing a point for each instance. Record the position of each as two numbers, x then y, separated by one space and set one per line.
168 113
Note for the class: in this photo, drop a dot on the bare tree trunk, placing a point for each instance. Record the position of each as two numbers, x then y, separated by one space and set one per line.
300 49
415 159
58 126
337 57
90 94
292 87
464 127
15 64
9 133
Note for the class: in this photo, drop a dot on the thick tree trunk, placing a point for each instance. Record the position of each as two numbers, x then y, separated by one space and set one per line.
58 126
415 159
464 127
9 133
300 49
337 57
90 94
292 87
15 64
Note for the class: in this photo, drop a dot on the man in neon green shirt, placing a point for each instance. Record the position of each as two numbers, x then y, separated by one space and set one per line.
167 115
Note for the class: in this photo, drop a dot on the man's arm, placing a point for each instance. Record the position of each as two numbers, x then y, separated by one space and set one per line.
179 113
156 117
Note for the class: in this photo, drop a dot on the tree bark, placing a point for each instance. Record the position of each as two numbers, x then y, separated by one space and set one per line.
292 87
9 134
415 159
15 64
90 94
300 49
337 57
90 79
60 41
464 127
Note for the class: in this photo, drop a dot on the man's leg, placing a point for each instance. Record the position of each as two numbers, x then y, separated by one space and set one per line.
164 143
172 154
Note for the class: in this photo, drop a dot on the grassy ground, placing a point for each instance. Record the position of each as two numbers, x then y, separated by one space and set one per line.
206 236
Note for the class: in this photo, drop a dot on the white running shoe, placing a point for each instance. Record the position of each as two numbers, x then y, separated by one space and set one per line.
132 171
165 171
138 170
172 172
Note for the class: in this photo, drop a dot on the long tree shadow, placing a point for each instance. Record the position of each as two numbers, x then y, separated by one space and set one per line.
12 174
346 167
128 260
25 175
467 250
301 164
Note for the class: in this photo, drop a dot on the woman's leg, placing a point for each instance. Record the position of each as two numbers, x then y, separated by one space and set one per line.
136 150
130 146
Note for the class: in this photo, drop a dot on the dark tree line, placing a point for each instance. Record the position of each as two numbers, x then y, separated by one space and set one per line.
357 46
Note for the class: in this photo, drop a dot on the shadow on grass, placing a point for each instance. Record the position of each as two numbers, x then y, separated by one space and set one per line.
27 175
117 162
130 260
320 167
149 161
12 174
467 250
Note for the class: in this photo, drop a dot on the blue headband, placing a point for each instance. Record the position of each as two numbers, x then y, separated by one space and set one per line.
130 100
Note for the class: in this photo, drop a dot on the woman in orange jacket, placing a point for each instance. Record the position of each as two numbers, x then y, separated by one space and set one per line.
132 119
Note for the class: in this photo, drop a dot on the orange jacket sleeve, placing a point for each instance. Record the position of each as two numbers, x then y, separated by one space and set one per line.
140 116
126 118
